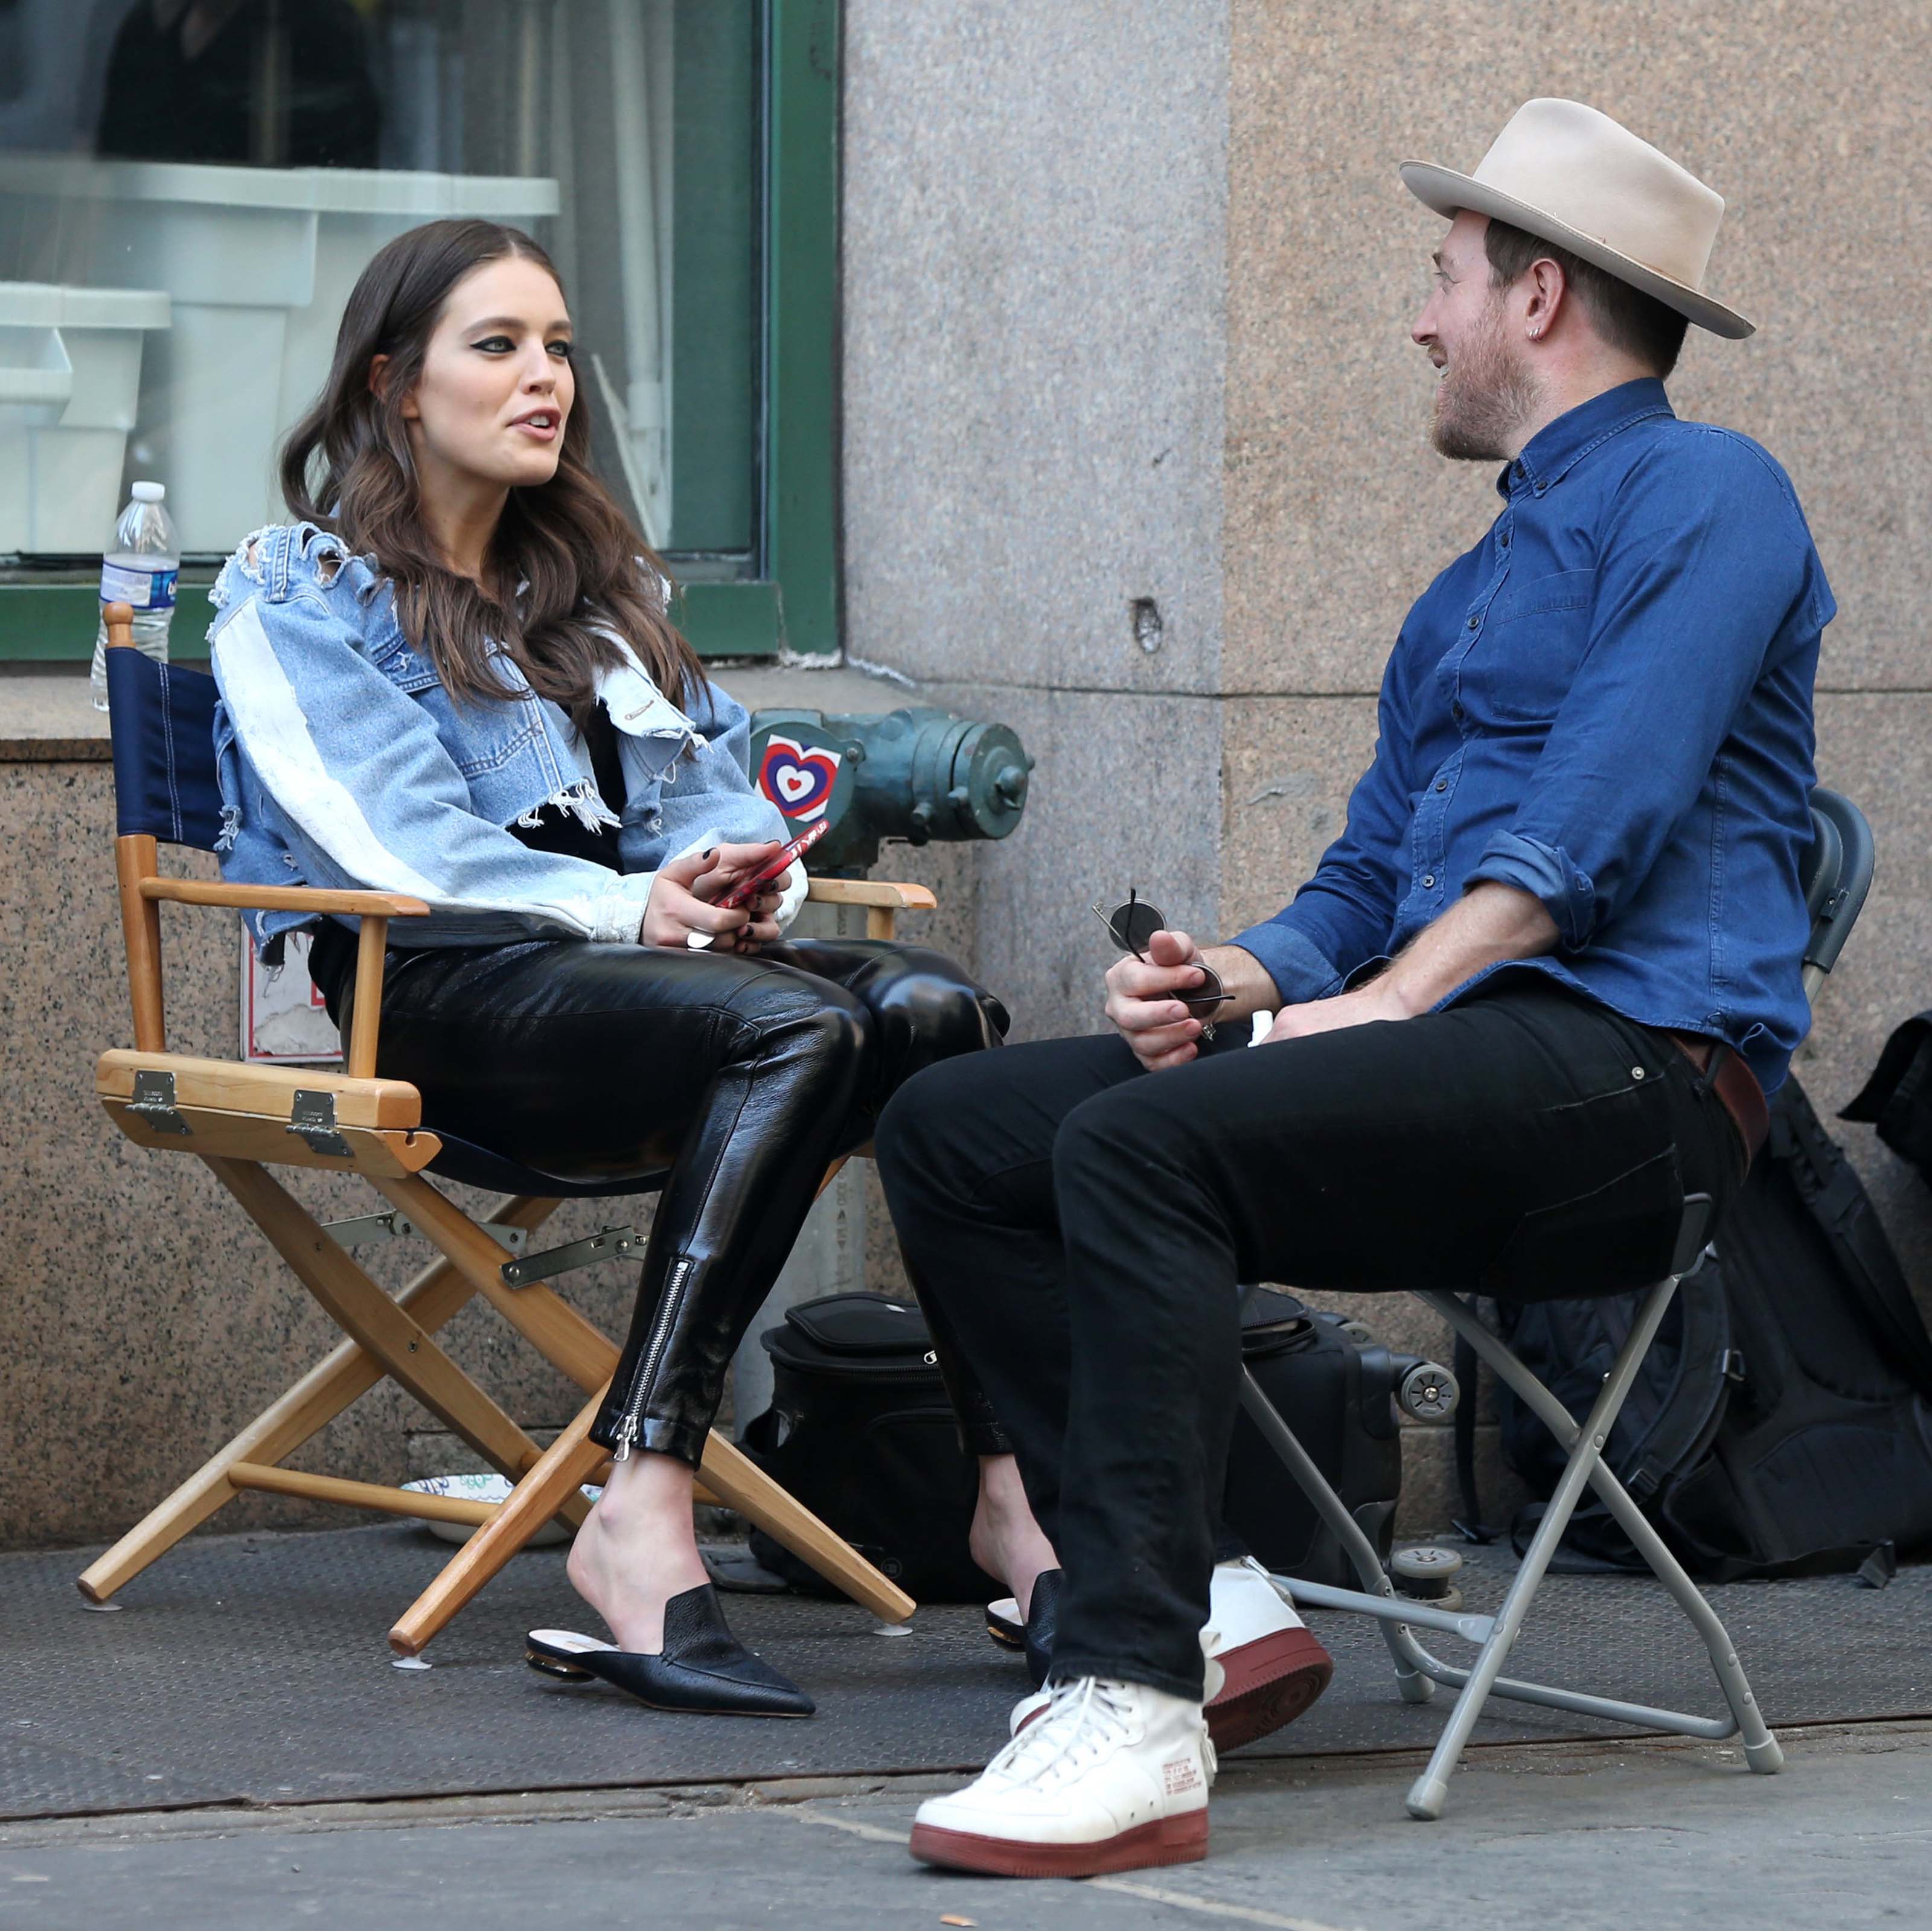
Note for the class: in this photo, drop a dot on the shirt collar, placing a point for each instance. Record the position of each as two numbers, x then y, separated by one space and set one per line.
1557 447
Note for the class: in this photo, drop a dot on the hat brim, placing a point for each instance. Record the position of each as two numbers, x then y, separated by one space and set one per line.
1448 192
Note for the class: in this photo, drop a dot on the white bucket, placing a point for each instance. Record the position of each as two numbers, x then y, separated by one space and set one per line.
259 263
70 379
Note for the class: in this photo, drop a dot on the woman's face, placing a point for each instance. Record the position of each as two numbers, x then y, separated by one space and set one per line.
496 385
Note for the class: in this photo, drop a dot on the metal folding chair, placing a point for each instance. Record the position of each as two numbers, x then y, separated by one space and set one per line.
1837 874
241 1119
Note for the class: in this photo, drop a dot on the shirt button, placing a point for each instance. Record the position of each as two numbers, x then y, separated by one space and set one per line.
1504 539
1475 623
1455 710
1442 784
1429 881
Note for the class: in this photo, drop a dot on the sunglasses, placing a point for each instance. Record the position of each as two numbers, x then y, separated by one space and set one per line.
1131 928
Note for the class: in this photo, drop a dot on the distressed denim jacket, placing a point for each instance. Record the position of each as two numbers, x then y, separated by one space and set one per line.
344 762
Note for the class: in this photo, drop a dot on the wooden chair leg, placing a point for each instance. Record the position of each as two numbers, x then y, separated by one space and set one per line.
564 1466
362 1310
333 1384
739 1483
543 1318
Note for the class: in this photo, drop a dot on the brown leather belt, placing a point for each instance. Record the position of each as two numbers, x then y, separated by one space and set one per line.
1736 1086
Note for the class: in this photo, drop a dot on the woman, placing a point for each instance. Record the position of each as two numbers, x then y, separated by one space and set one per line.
454 676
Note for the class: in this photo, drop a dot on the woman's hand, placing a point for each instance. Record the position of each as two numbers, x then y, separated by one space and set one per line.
681 903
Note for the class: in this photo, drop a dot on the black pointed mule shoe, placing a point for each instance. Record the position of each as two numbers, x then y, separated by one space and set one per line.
703 1668
1036 1634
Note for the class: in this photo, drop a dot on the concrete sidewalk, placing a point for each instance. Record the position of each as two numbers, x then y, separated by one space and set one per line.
1577 1836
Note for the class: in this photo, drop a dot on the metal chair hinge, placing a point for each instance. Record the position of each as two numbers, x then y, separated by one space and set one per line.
608 1243
312 1121
364 1229
154 1102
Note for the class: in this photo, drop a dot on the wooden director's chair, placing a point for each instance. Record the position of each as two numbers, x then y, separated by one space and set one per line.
240 1120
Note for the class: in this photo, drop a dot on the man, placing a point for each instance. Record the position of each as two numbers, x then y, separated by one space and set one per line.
1533 995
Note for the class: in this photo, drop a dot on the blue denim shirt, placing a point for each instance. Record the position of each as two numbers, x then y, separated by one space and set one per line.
344 762
1607 704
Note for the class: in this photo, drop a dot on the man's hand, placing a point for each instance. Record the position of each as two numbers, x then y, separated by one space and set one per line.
1141 1001
682 896
1489 924
1369 1002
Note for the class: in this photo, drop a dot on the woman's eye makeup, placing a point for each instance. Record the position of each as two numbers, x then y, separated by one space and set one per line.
499 345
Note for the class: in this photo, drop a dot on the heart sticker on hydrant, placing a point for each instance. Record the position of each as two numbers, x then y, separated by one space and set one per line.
796 779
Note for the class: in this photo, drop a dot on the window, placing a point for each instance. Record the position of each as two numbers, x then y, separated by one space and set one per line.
188 193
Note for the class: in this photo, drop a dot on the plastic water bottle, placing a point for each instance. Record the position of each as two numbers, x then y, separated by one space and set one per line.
139 569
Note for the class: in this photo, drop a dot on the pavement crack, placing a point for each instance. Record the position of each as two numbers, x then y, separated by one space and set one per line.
876 1833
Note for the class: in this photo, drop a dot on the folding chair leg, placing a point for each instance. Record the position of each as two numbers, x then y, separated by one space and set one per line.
331 1386
1762 1751
363 1310
1430 1790
557 1474
1410 1677
544 1318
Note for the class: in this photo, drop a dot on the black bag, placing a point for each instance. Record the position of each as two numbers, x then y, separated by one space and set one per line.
1336 1390
1897 1098
1782 1423
861 1431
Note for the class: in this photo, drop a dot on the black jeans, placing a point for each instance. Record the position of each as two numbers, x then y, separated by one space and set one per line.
742 1075
1081 1226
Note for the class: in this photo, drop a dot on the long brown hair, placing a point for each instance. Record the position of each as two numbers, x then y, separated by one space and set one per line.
580 557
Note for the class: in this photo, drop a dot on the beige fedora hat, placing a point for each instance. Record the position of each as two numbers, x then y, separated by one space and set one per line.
1565 173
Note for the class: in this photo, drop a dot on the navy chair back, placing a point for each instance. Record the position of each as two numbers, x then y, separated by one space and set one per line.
162 717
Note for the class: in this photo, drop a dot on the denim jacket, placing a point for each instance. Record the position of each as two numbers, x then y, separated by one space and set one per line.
344 762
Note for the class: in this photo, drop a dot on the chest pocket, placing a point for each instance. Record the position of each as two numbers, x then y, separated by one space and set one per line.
485 735
1526 660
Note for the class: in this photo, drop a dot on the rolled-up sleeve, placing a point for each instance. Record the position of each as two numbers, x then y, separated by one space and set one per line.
1689 594
1343 917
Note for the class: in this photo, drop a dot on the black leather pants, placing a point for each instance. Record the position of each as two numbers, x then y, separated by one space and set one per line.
745 1075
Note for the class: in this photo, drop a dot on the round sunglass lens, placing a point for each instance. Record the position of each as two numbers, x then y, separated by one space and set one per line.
1135 925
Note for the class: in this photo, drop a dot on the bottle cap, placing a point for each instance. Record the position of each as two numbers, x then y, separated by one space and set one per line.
148 492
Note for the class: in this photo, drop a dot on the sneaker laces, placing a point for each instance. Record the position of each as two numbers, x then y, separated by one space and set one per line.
1086 1718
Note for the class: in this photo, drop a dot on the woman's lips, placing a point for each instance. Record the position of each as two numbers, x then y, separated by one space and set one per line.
544 432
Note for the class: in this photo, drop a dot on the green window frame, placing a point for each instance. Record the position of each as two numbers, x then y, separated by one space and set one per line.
791 603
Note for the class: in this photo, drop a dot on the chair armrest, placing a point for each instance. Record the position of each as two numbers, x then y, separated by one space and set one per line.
870 892
286 898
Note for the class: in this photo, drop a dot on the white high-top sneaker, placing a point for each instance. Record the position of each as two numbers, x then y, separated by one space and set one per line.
1113 1777
1265 1666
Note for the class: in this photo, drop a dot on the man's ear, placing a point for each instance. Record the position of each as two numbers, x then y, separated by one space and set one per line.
1548 286
379 385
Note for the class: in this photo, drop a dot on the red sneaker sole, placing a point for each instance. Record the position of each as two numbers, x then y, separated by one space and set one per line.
1270 1682
1167 1840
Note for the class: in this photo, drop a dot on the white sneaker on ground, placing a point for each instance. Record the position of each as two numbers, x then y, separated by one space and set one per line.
1265 1666
1113 1777
1275 1667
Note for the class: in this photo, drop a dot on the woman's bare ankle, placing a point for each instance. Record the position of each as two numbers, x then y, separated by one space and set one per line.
1005 1540
637 1549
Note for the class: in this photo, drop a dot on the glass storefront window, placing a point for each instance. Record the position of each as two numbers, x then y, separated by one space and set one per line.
188 189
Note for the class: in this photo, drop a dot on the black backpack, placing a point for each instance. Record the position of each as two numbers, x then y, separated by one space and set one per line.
860 1430
1782 1424
1897 1098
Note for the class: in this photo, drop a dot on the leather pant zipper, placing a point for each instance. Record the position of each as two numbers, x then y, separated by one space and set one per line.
628 1426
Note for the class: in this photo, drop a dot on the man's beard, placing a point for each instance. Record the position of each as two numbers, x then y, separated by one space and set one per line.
1484 398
